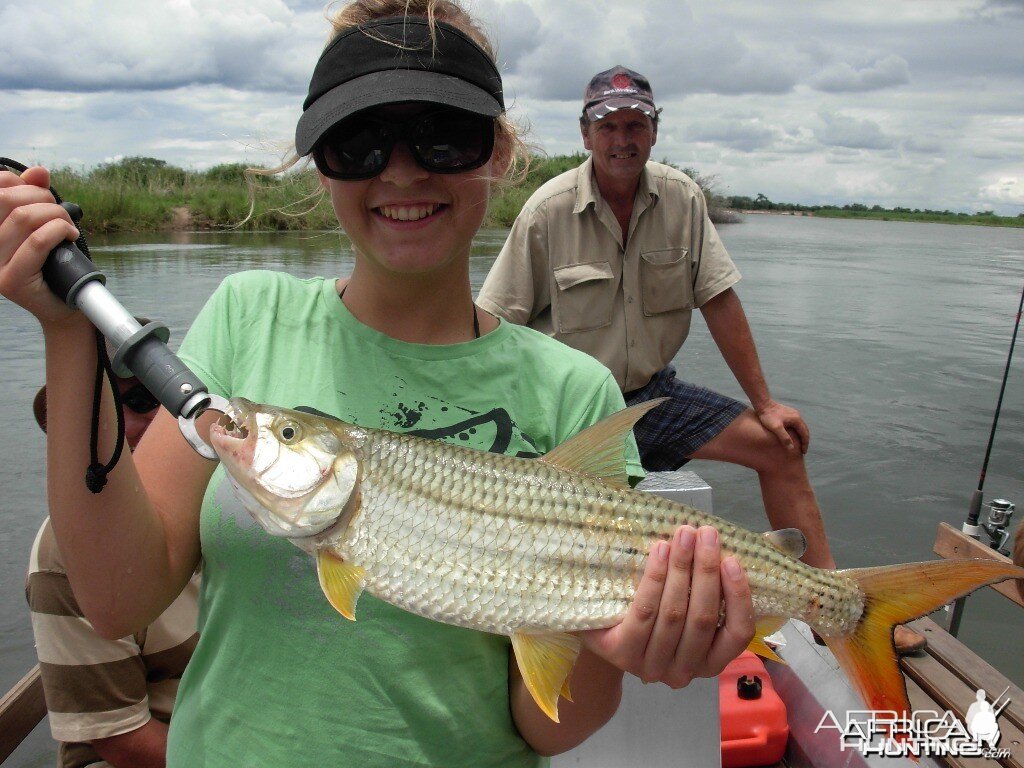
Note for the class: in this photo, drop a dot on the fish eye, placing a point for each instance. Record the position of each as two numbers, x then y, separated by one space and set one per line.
289 432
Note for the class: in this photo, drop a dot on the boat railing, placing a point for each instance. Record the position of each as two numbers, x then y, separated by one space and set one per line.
21 710
954 544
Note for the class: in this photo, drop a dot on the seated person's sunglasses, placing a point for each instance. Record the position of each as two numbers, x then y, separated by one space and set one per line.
443 140
139 399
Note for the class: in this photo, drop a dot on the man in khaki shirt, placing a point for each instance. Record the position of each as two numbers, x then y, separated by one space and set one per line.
611 258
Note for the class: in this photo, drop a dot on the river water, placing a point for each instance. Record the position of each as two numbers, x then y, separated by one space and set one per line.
890 337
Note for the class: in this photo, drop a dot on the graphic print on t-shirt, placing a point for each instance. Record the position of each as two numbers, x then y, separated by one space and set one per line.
436 419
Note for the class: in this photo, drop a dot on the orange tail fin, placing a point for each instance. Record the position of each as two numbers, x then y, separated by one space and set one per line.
894 595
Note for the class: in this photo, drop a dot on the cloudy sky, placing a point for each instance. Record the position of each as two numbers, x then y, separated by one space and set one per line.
895 102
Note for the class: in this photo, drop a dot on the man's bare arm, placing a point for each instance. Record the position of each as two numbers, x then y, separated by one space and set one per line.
728 325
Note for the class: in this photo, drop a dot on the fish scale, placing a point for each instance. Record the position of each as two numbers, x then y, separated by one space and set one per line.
503 543
539 548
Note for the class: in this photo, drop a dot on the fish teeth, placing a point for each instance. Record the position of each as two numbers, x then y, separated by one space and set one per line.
408 212
231 427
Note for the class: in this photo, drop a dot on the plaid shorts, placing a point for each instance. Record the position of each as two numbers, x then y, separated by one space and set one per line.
675 430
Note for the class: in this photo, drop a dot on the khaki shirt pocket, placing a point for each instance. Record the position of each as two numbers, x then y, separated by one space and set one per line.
666 282
584 297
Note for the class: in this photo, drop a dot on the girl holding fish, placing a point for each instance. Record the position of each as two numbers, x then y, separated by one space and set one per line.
405 123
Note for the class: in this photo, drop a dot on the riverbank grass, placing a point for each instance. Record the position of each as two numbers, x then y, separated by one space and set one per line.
139 194
145 194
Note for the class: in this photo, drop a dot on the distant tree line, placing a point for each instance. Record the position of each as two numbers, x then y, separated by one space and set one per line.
762 203
145 193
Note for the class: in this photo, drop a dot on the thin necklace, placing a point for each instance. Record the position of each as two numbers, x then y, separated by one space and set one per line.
476 320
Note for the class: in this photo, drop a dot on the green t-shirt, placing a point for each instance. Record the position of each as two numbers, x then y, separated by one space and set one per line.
279 678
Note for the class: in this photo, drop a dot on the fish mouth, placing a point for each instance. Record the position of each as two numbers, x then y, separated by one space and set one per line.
233 424
230 434
235 437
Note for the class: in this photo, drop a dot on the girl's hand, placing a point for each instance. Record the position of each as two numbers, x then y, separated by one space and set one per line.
672 632
31 225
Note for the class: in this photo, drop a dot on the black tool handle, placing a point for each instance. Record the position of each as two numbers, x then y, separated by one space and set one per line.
142 351
67 269
147 355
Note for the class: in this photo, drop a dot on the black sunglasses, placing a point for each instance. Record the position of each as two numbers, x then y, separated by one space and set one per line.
139 400
445 140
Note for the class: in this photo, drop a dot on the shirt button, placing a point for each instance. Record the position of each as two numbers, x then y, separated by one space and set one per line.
629 299
632 343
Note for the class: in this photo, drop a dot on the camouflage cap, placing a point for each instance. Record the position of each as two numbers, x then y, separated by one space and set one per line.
618 88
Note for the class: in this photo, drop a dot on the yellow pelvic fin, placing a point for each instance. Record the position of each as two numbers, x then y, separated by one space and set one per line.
789 541
600 450
765 627
894 595
566 693
546 661
341 582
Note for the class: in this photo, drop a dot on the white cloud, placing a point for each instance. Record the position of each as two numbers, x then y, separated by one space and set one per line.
997 8
924 146
97 46
844 78
578 38
514 27
1008 189
844 131
745 135
911 102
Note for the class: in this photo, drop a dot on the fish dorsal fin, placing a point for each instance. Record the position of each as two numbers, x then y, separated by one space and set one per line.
789 541
766 626
599 450
341 582
546 661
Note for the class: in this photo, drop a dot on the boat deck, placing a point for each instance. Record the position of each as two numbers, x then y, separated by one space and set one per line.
947 677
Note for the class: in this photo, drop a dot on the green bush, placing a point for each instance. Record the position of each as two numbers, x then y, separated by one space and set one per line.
233 173
145 172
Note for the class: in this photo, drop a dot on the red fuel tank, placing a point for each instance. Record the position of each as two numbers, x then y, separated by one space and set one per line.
754 726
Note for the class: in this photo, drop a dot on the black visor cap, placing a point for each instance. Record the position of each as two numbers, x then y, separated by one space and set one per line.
394 61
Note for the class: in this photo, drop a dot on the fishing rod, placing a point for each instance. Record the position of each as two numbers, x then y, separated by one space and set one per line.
971 527
141 351
1000 510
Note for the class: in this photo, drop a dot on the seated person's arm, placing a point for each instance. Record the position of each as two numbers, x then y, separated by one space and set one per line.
145 747
88 700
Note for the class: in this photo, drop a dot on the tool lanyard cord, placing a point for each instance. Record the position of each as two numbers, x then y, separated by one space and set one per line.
96 473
